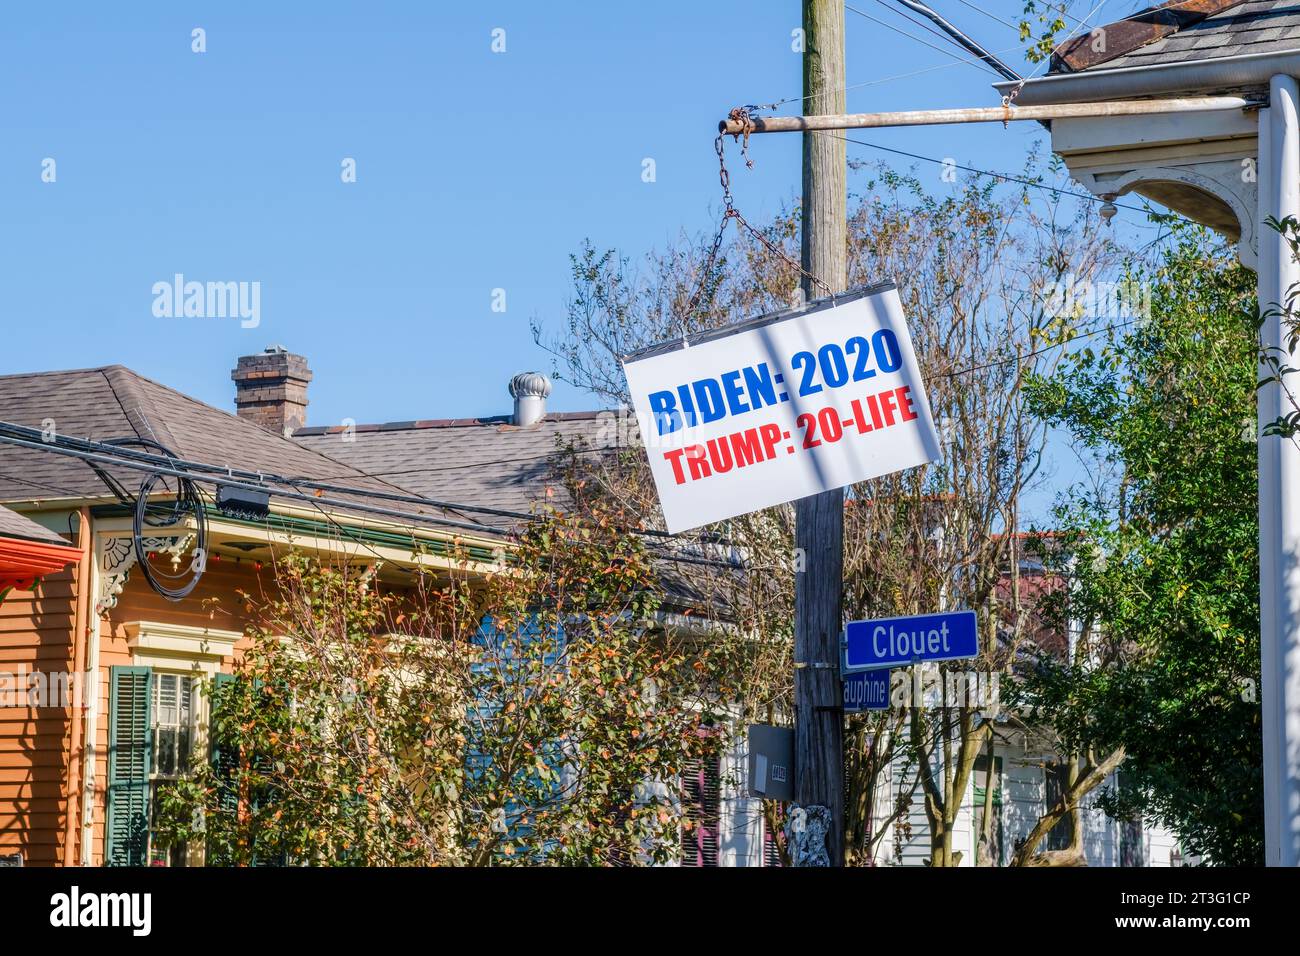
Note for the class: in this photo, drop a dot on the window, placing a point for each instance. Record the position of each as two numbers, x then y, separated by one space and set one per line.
152 728
157 720
506 665
173 734
173 723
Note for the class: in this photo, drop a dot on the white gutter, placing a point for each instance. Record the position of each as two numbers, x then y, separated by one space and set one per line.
1224 74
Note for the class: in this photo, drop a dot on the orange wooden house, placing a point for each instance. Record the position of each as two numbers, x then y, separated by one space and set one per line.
78 771
37 595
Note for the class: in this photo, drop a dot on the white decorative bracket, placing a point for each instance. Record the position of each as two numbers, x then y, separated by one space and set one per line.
1230 182
117 556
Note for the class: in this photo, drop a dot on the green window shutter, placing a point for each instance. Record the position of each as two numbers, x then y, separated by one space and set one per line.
221 754
225 762
128 767
224 756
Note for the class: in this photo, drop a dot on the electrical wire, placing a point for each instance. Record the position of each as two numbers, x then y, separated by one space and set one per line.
991 16
928 28
257 477
382 475
946 52
187 501
1088 333
884 79
1056 46
1003 176
65 492
1039 351
1143 10
185 505
211 474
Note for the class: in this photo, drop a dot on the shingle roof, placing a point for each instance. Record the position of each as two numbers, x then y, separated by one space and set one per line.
115 402
491 463
1260 26
481 461
14 525
486 462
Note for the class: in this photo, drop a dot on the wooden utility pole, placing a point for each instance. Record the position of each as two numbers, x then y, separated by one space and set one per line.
819 519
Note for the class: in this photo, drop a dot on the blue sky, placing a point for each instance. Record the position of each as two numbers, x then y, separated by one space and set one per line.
475 171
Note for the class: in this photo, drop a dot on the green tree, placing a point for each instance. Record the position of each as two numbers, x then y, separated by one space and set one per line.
974 263
539 716
1162 553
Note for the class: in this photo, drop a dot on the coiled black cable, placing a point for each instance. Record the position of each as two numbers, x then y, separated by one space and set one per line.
188 502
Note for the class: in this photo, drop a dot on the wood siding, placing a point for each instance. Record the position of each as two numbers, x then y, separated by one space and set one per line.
215 603
36 634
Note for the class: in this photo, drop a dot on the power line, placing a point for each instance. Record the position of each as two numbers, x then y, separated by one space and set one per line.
1016 26
991 16
382 475
211 475
884 79
1065 14
228 473
66 492
217 475
960 38
906 16
927 28
1039 351
1055 46
1088 333
904 33
1002 176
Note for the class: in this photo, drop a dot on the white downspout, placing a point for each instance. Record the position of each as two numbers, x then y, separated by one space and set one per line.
91 746
1279 490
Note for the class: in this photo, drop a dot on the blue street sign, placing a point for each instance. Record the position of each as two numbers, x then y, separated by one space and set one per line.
866 690
894 641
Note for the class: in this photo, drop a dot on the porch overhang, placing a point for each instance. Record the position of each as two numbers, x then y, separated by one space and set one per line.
1201 165
22 562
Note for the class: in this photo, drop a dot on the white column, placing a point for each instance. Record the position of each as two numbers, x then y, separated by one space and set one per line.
1269 541
1279 491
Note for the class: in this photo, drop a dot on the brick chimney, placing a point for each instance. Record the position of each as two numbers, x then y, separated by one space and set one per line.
271 389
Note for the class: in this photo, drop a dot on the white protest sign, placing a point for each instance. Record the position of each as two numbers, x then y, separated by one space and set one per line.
782 407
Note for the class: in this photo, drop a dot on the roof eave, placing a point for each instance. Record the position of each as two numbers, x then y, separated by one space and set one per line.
1161 79
23 561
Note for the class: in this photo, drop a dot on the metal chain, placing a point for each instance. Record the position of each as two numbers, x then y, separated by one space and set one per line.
741 115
